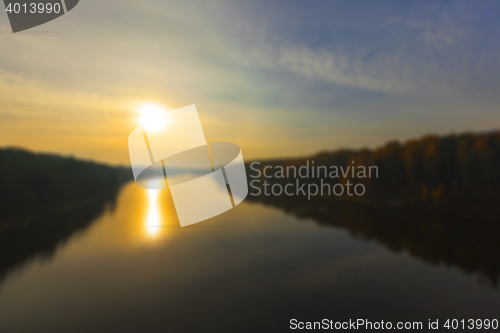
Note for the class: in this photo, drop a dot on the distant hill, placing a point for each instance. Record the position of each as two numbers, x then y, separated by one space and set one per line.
32 182
459 172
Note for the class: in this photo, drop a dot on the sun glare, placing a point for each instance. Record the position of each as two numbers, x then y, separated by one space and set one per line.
153 218
152 117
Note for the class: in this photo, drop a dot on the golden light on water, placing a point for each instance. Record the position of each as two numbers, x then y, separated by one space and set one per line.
154 218
152 117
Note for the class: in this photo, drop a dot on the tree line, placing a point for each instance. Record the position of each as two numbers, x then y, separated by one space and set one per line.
32 182
436 172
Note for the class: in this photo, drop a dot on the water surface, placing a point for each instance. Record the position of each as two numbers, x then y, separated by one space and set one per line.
251 269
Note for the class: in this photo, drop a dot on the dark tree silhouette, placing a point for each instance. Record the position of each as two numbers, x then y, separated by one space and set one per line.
33 183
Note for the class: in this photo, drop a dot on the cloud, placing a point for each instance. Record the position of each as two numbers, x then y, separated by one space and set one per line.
341 69
274 77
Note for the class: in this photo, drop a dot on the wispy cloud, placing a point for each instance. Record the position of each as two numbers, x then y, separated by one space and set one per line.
279 78
341 69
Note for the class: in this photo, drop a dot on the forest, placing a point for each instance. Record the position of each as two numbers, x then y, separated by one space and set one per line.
457 173
32 183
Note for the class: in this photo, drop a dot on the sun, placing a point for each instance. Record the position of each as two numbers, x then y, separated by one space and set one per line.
153 117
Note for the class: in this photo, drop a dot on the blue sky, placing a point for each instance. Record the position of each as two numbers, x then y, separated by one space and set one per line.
280 78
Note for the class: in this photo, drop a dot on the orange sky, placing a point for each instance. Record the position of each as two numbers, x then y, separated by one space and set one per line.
276 82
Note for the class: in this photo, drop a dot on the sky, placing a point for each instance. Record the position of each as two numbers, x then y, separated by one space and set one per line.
278 78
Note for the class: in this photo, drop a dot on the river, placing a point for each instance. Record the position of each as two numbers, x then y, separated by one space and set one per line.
254 268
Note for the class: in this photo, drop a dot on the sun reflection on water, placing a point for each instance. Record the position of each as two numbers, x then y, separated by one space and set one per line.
153 219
